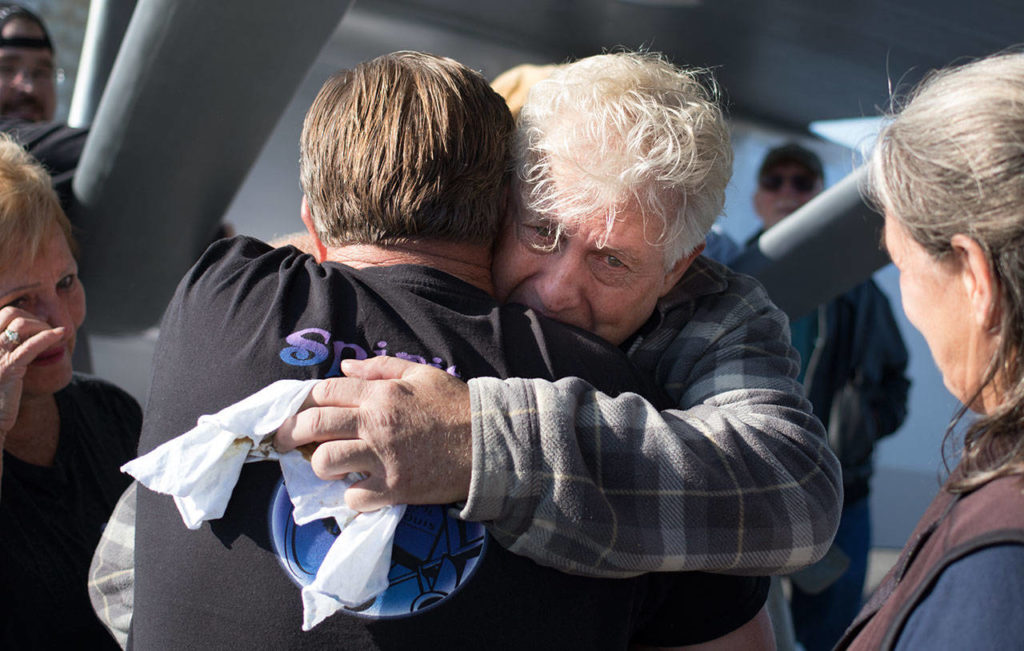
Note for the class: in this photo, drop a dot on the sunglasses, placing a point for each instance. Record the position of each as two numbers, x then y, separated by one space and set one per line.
802 183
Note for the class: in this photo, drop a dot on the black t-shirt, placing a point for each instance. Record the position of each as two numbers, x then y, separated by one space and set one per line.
247 315
51 519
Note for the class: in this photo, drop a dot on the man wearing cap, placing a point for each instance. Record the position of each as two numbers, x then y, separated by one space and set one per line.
789 177
28 96
853 364
28 76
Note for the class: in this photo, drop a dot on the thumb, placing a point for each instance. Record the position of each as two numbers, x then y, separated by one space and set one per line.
377 368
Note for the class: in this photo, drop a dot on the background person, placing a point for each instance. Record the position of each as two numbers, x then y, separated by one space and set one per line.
28 72
948 173
64 436
853 364
28 96
28 101
789 177
515 83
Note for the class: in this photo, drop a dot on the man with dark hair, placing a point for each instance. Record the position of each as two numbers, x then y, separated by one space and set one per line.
28 96
28 74
404 175
853 364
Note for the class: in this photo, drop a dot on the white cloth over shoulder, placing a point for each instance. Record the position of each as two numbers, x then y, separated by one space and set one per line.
201 467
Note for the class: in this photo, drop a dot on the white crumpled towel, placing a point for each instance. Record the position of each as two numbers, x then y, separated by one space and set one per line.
201 467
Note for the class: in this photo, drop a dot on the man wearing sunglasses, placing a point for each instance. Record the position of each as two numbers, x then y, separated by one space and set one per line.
790 176
853 364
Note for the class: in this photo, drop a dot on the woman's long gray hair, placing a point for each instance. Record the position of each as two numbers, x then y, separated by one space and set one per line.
952 161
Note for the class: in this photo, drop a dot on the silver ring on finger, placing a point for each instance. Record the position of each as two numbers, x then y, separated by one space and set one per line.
10 337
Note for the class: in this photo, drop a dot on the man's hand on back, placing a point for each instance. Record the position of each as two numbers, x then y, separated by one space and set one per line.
406 426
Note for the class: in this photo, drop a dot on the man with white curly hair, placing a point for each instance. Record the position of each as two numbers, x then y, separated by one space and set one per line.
617 153
622 162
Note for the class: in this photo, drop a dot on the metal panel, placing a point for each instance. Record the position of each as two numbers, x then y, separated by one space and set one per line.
194 92
108 20
821 250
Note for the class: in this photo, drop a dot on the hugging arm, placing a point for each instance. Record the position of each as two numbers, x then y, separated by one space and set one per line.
737 479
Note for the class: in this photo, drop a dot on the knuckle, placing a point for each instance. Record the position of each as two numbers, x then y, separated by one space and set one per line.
320 393
312 422
393 480
360 500
323 460
328 389
393 392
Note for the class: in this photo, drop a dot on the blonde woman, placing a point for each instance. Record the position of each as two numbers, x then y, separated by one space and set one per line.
64 436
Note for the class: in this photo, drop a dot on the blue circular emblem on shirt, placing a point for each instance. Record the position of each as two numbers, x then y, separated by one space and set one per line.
434 553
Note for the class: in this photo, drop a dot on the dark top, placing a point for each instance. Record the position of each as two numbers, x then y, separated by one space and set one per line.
962 558
247 315
856 380
975 604
51 519
57 146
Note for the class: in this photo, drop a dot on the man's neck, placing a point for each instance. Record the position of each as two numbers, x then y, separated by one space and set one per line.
468 262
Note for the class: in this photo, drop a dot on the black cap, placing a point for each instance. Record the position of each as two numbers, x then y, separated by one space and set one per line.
792 153
11 11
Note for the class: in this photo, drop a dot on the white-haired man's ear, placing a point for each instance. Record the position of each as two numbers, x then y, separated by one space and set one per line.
673 275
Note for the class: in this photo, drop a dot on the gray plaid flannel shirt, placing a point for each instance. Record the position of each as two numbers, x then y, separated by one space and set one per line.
739 479
112 573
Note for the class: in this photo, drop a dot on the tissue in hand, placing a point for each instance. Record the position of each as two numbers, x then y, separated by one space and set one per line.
201 467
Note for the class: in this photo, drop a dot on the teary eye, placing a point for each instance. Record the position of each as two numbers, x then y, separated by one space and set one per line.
541 235
21 302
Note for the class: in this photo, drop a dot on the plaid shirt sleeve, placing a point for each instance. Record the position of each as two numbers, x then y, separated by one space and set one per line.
112 573
739 479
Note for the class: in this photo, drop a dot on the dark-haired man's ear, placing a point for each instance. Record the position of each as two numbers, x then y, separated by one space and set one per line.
319 250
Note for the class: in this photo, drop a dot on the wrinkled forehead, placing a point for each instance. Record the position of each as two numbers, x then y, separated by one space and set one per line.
570 194
22 248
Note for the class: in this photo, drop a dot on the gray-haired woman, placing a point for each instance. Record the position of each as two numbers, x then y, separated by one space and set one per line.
948 173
